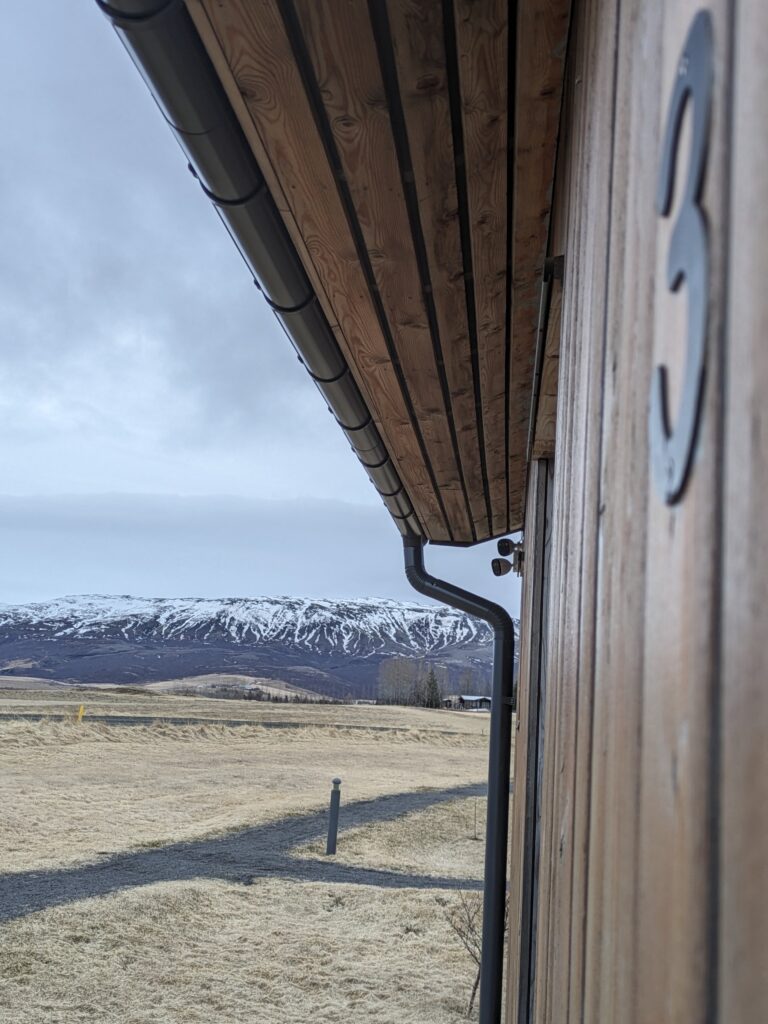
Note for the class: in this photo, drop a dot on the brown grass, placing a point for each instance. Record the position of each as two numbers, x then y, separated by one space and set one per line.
109 701
275 951
439 841
71 793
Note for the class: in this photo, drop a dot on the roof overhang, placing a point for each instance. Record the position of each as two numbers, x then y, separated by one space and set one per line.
386 169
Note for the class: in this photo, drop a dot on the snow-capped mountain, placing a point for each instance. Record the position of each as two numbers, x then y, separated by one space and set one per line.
358 628
332 646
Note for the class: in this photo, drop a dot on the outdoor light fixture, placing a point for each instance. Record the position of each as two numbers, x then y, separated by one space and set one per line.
513 549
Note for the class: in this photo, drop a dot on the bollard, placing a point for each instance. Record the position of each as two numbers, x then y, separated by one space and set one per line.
333 818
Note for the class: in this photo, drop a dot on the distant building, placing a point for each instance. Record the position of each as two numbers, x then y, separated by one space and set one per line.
467 702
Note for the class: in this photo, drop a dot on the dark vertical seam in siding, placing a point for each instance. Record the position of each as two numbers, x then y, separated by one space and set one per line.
526 966
527 983
554 680
543 697
465 234
311 87
715 765
573 271
564 107
382 35
579 342
592 641
638 788
511 94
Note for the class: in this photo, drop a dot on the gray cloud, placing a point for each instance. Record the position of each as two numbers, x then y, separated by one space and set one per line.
132 333
169 546
137 357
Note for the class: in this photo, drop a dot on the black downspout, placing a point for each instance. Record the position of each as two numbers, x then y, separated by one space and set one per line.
495 894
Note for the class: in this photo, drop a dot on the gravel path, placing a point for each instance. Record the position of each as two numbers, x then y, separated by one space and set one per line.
240 856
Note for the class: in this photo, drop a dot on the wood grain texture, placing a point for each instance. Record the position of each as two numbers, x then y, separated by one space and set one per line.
628 884
591 118
559 738
418 37
743 955
481 40
677 850
249 46
433 432
553 946
559 711
545 429
611 953
571 669
542 32
530 640
342 49
522 845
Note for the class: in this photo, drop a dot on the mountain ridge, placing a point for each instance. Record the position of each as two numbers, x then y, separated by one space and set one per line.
332 646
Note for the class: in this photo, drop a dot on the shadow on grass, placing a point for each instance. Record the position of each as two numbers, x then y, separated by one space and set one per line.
262 851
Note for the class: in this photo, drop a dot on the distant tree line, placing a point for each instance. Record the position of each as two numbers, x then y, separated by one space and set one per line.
256 693
419 683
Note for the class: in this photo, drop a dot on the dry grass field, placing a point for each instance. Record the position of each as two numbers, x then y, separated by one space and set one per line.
171 873
446 840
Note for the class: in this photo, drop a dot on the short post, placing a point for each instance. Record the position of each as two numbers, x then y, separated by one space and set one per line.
333 819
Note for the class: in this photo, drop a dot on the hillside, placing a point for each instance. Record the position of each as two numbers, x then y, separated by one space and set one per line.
330 647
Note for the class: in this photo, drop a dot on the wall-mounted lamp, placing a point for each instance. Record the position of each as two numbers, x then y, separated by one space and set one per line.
513 549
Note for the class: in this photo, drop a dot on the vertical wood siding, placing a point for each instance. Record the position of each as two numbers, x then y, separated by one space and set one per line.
743 789
654 845
531 691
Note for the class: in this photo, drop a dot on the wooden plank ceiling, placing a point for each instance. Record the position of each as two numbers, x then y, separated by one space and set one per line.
383 132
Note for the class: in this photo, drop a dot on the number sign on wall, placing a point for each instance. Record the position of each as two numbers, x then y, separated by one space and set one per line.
673 444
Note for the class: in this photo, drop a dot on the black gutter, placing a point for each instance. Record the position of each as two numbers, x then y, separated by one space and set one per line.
499 757
163 42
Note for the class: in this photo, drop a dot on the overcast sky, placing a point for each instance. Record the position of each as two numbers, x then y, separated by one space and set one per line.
159 436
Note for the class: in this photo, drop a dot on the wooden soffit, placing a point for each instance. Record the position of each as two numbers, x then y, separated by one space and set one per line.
420 208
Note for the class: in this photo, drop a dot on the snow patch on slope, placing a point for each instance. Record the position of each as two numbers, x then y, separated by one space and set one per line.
359 628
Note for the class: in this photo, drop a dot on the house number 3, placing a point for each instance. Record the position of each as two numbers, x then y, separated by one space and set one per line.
672 445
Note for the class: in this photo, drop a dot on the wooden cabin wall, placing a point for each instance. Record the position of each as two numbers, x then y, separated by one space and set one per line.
571 616
654 832
531 693
743 789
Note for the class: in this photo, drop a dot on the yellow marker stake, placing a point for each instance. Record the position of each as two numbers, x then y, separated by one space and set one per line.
81 712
